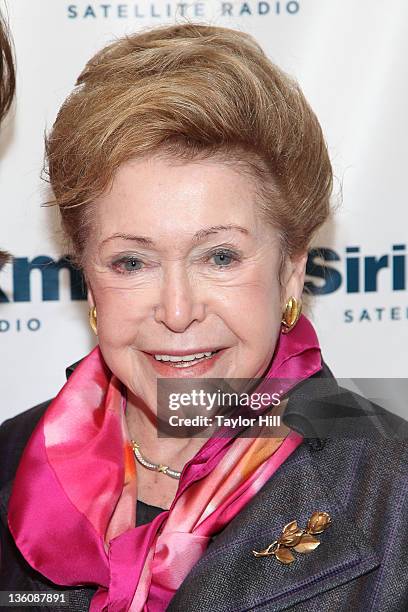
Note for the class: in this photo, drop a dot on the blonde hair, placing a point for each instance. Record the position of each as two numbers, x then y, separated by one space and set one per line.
191 92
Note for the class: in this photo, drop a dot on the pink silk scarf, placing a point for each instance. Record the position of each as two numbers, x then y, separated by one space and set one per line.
72 512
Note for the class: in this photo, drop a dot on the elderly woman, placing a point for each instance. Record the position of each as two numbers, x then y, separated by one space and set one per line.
191 176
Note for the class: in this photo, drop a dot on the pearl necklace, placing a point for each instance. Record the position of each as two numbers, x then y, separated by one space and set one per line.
157 467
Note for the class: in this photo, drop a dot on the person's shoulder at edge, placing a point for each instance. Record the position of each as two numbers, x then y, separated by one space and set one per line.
320 406
14 435
16 431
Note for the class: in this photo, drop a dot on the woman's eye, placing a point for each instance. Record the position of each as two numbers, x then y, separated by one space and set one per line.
223 258
129 264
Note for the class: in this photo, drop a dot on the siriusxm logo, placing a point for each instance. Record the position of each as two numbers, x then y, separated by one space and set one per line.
326 269
358 273
22 268
141 10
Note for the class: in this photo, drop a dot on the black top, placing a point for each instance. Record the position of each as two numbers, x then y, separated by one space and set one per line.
146 513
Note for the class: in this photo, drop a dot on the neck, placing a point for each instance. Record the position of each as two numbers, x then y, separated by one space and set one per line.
142 423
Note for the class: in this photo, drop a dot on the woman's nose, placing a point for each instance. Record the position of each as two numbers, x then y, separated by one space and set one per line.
180 302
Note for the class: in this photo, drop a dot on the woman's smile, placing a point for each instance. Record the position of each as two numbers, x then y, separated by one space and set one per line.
195 367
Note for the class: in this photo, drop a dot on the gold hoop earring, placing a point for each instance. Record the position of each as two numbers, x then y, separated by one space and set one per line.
92 319
291 314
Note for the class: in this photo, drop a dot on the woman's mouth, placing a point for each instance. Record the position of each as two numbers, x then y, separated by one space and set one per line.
193 364
184 361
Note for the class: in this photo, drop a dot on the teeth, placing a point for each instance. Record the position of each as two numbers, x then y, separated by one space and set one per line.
176 359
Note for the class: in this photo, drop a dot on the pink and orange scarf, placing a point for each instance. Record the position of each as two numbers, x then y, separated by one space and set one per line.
72 511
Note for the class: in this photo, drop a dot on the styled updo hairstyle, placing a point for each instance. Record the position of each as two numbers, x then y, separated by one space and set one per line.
190 92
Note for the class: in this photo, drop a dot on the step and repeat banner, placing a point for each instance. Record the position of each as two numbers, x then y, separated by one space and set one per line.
350 58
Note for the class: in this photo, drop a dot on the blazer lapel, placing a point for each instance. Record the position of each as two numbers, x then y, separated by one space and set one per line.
230 577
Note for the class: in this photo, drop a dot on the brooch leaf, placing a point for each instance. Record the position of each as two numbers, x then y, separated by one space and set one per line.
295 538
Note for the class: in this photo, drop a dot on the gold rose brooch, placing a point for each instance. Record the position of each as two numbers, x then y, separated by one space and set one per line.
294 538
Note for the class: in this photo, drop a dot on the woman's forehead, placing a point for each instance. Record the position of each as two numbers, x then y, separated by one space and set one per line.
147 194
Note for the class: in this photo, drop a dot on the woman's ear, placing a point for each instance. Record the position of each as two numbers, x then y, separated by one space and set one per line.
90 296
295 276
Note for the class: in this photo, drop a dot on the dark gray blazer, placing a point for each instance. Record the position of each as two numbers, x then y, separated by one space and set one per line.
352 464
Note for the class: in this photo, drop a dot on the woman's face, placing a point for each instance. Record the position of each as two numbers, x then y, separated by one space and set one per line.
180 263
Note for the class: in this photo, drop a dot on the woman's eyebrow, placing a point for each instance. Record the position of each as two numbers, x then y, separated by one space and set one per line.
198 236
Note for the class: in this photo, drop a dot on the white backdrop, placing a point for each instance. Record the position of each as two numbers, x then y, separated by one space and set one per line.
350 58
